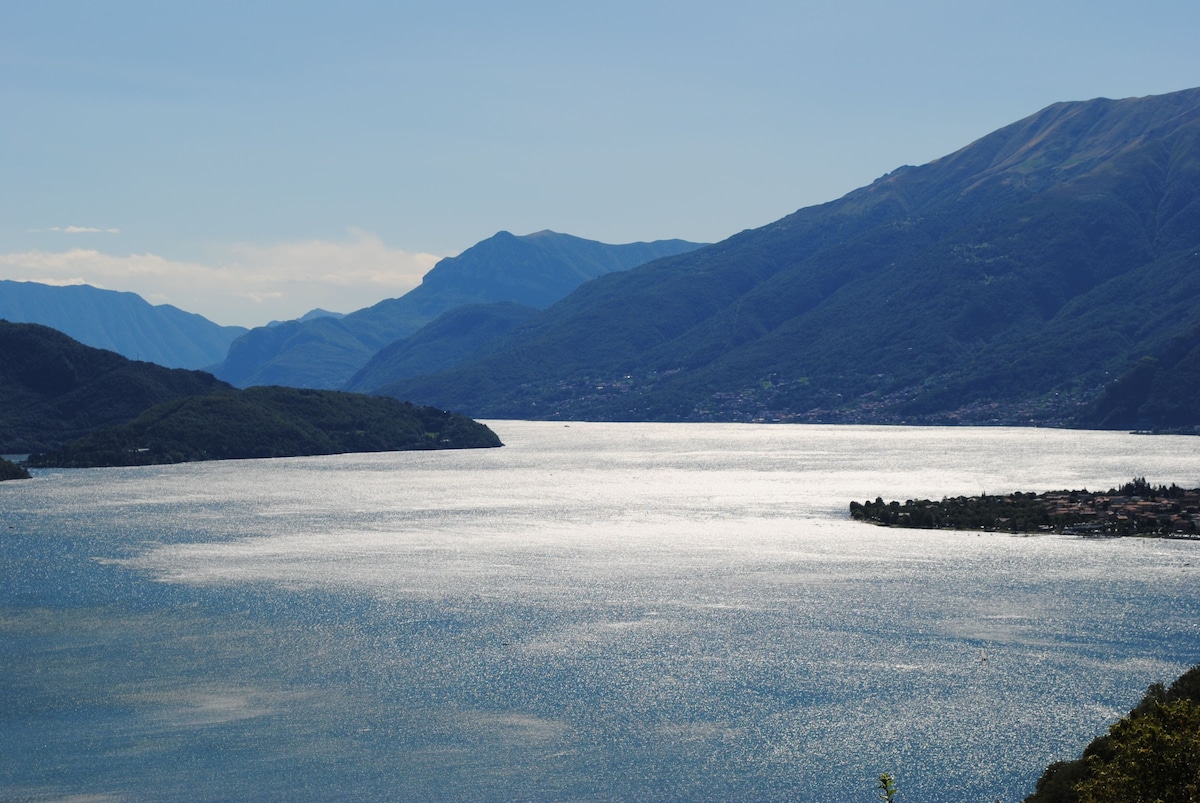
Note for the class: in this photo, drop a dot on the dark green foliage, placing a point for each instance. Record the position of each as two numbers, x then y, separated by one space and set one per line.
534 270
116 412
269 422
1010 282
1012 513
887 788
53 388
1057 784
1153 754
1152 757
11 471
1141 488
1119 511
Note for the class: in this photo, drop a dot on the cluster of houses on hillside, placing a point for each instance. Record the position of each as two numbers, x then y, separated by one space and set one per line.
1174 513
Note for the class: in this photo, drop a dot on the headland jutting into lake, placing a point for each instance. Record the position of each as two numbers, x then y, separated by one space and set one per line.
1136 508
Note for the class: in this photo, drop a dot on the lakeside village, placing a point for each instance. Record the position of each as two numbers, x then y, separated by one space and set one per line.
1136 508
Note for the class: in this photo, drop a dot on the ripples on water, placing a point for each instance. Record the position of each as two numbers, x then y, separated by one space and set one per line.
595 611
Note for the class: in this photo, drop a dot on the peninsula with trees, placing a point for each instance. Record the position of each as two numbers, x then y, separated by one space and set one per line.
1136 508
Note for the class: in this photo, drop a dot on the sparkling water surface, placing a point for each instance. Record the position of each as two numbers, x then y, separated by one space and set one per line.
593 612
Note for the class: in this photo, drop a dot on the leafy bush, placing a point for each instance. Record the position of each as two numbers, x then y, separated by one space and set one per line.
1153 754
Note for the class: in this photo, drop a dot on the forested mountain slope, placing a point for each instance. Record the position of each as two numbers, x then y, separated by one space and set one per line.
1014 281
534 270
269 422
54 388
448 340
82 406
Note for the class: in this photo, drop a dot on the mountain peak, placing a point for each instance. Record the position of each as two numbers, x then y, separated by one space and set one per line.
1012 281
534 270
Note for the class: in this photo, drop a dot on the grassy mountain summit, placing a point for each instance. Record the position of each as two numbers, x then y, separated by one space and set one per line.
1016 280
534 270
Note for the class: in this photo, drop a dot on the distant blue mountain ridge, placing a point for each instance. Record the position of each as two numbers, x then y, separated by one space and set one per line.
121 322
532 270
311 315
323 349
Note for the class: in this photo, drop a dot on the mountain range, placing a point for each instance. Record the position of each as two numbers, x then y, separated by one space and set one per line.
533 270
1048 273
120 322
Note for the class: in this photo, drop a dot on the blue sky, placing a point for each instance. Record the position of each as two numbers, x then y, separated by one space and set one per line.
252 160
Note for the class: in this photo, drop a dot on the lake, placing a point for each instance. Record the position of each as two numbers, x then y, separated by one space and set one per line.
593 612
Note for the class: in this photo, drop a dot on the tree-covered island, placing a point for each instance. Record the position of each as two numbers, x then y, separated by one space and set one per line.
1136 508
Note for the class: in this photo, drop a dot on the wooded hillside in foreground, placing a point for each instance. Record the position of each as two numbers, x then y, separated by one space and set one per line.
54 388
1153 754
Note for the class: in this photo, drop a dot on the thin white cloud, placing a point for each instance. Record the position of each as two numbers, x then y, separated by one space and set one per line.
77 230
364 261
67 282
259 298
245 284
